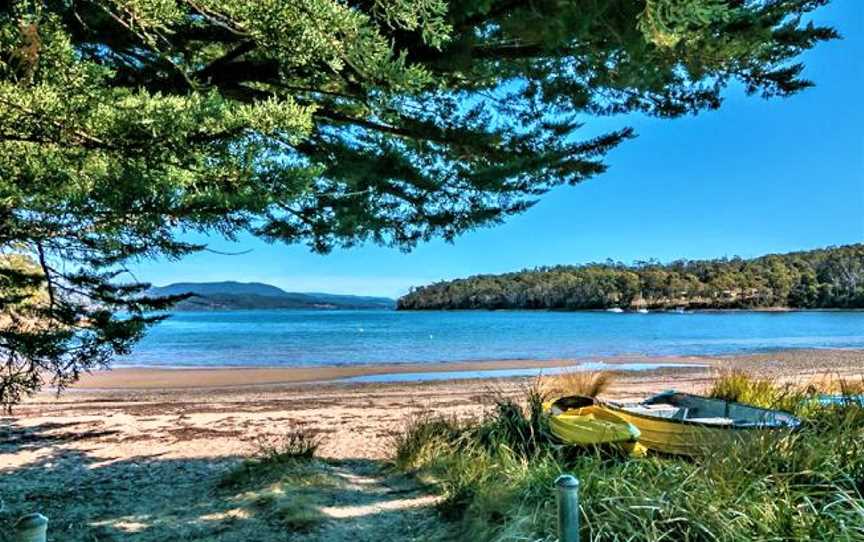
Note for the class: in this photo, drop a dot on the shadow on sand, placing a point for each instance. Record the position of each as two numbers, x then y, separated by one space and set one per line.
152 498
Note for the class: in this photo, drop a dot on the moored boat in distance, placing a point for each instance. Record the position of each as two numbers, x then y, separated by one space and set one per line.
685 424
642 311
615 309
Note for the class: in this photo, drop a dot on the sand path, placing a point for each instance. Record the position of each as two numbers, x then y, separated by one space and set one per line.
376 505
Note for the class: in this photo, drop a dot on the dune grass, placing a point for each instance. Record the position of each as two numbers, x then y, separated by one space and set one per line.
293 499
586 383
271 455
497 473
282 480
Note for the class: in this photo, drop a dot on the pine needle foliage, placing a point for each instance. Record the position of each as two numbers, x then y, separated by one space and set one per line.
127 123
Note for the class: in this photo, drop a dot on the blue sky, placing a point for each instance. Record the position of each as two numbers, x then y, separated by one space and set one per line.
754 177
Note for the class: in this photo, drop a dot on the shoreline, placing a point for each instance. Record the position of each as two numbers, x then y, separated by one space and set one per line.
517 309
223 413
149 378
201 423
184 378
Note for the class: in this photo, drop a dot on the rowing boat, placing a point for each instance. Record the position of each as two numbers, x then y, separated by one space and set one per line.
579 421
684 424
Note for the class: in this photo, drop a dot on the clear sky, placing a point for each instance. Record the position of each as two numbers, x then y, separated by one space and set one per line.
754 177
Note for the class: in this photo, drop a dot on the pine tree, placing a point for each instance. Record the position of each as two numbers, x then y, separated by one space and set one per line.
124 123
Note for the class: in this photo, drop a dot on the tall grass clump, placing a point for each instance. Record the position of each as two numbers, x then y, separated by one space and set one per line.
742 387
424 438
283 483
272 456
497 472
584 383
293 445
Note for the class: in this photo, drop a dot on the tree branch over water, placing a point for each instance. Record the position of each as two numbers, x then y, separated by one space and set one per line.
126 124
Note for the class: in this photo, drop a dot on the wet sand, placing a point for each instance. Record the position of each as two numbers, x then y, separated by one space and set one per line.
134 378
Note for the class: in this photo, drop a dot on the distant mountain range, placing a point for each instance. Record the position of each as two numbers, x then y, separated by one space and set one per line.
223 296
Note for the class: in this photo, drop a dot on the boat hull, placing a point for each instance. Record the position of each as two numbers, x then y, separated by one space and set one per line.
720 423
592 425
673 437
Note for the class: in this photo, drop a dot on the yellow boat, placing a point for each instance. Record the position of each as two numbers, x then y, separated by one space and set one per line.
685 424
579 421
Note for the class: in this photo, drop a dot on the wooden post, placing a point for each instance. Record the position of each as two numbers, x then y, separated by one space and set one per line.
31 528
568 508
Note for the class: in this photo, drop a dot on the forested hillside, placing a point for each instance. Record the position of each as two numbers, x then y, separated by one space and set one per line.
827 278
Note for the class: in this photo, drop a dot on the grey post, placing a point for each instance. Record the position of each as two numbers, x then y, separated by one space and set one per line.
568 508
31 528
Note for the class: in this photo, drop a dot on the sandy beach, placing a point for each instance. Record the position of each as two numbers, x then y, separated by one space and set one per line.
168 434
222 412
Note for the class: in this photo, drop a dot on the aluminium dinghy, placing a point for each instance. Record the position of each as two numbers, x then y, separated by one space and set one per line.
684 424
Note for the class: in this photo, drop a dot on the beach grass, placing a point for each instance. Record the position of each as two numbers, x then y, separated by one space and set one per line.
293 499
496 475
282 483
272 456
585 383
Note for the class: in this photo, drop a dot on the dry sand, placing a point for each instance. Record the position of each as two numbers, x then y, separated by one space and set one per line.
166 434
222 412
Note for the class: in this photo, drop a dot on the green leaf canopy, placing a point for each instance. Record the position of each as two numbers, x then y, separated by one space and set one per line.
124 123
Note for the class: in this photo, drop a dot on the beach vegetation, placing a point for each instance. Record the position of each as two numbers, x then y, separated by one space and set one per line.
802 485
742 386
422 437
296 444
298 513
272 455
584 383
282 480
127 125
288 493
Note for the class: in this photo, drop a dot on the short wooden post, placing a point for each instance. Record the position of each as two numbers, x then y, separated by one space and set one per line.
568 508
31 528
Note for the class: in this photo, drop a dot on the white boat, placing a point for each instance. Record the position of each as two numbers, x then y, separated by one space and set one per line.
615 309
642 311
680 310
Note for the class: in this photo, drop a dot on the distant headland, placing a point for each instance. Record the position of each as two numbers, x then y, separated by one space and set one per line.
828 278
229 295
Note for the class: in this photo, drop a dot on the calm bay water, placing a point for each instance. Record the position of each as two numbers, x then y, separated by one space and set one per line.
302 338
